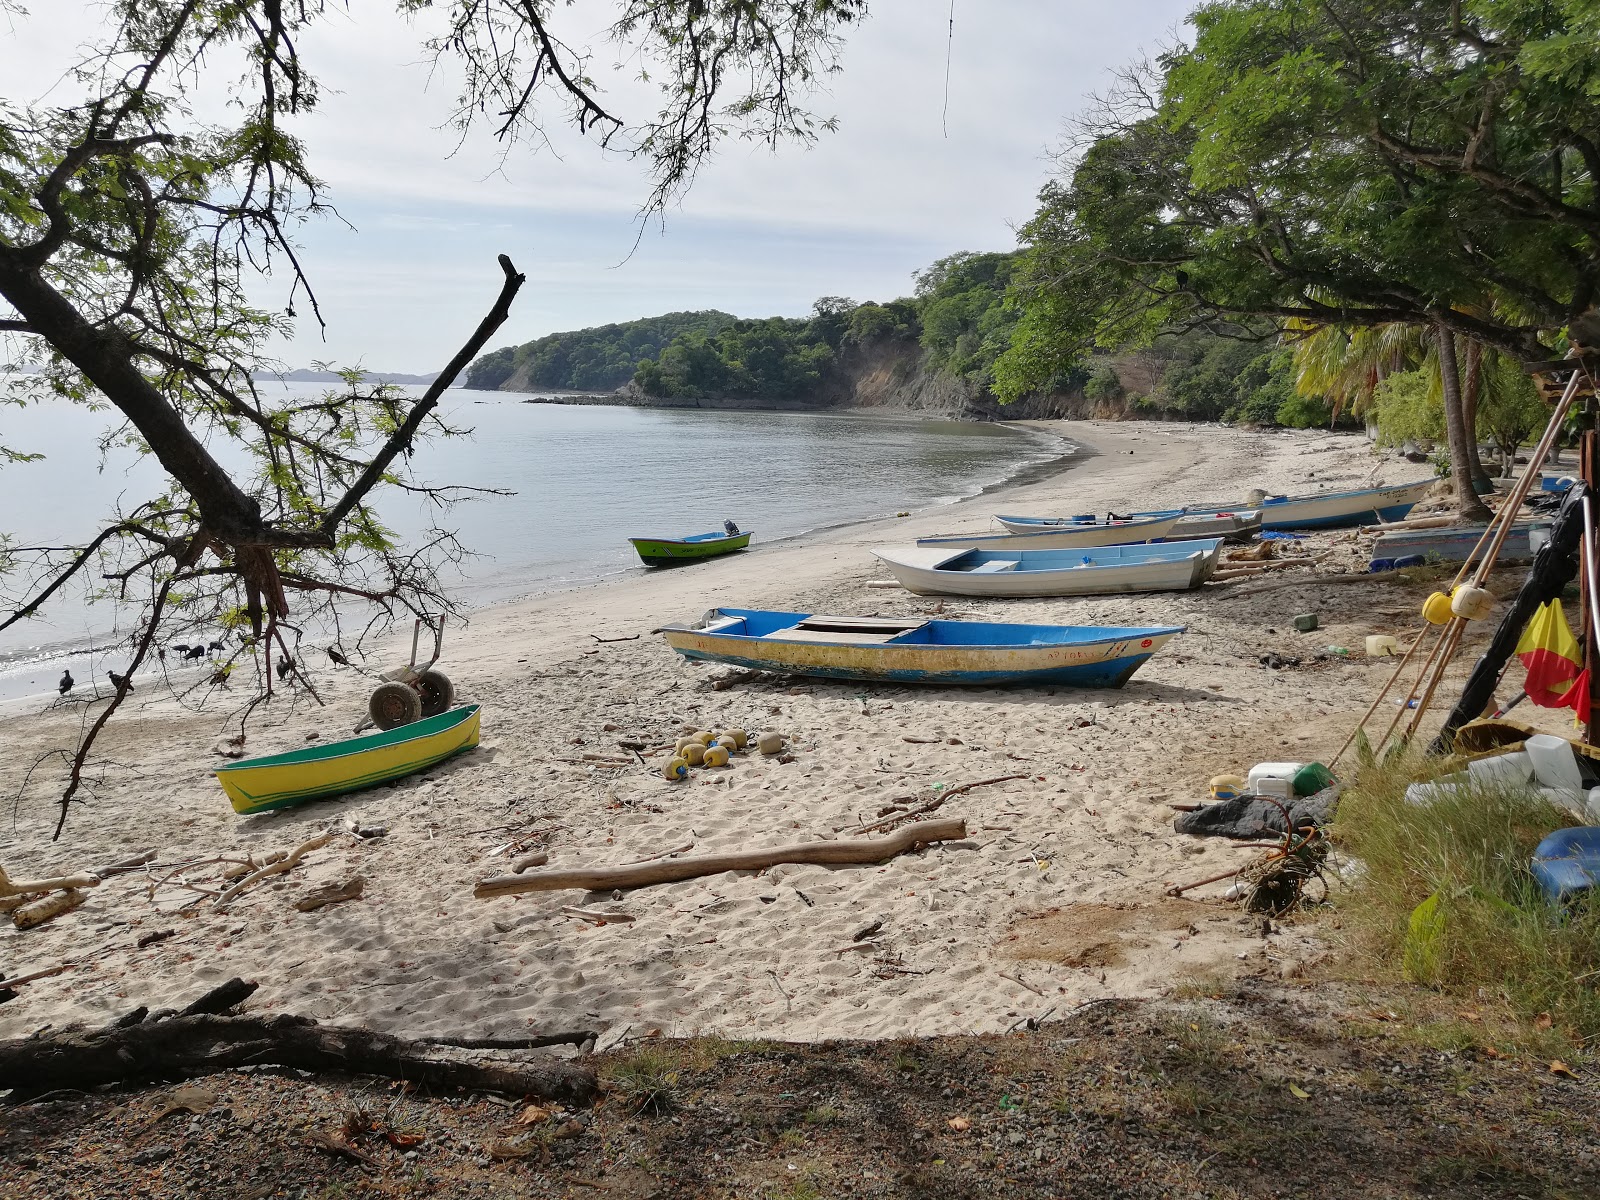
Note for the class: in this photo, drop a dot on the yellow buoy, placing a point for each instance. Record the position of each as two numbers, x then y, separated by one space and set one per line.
716 756
1471 603
682 742
705 737
1436 609
736 739
676 769
694 754
770 743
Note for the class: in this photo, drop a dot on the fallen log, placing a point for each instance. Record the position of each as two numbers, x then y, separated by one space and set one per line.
929 805
184 1047
19 887
48 909
604 879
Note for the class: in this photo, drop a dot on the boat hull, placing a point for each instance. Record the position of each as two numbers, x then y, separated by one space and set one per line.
283 780
671 552
1336 510
1025 533
1070 656
1109 571
1454 545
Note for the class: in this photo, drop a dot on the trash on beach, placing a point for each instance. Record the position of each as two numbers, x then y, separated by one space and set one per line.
331 893
1381 645
771 743
1306 622
1567 863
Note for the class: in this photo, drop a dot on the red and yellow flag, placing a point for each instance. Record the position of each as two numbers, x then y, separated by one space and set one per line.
1556 676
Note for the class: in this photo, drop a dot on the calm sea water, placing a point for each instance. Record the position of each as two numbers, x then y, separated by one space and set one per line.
585 479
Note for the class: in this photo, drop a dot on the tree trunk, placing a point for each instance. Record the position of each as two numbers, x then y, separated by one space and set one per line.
1471 389
181 1047
1468 507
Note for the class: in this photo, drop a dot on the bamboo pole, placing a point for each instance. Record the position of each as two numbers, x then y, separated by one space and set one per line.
1373 707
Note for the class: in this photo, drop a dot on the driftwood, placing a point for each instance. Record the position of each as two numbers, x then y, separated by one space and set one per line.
21 887
605 879
32 975
48 909
930 805
221 998
331 893
537 859
183 1047
123 866
286 863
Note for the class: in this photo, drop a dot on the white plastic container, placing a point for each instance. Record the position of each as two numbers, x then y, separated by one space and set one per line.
1273 779
1503 769
1554 764
1423 795
1381 645
1592 805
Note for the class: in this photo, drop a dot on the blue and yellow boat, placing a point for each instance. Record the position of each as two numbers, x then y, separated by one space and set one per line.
282 780
915 650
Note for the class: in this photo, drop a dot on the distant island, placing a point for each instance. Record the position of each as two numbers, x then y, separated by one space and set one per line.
306 375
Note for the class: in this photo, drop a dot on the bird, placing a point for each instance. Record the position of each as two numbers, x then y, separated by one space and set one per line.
66 683
194 651
121 681
180 648
285 665
338 658
216 646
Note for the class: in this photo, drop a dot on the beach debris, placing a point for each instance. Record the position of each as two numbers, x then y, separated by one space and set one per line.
1274 661
632 637
537 859
331 893
694 753
37 912
771 743
676 769
600 916
18 980
1306 622
150 939
941 794
738 737
24 887
287 863
187 1098
715 756
124 865
827 853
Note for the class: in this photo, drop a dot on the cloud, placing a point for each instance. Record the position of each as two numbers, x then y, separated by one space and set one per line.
907 178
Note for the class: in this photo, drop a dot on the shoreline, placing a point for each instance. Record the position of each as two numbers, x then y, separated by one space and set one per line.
1061 884
58 654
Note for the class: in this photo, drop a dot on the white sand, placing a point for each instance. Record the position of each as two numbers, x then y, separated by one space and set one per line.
1061 901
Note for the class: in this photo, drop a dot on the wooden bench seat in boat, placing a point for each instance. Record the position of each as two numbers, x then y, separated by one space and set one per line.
994 566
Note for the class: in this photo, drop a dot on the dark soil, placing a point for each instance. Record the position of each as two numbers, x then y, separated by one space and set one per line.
1244 1096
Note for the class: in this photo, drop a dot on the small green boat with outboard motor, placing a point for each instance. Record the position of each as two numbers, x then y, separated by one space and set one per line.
670 552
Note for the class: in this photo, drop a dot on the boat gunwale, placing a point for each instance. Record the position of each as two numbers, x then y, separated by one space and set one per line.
1131 633
265 762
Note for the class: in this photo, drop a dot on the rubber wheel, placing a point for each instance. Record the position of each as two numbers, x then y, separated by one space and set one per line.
393 705
438 693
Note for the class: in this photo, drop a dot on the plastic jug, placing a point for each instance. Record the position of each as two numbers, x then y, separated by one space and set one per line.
1273 779
1554 764
1503 769
1381 645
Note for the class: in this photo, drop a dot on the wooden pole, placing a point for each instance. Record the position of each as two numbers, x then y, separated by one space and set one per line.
1586 472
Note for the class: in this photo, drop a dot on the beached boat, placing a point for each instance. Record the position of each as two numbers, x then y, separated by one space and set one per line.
1063 535
281 780
1237 526
1453 544
1331 510
1096 571
667 552
916 650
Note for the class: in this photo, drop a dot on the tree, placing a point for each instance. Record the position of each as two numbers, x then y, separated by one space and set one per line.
1329 162
130 231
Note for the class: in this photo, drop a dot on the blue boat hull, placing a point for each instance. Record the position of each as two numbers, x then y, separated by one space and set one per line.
914 651
1112 673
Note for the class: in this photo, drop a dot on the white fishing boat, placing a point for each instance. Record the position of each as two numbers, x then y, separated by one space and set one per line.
1070 535
1236 526
1331 510
1095 571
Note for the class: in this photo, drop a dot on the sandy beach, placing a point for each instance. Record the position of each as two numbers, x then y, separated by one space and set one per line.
1057 898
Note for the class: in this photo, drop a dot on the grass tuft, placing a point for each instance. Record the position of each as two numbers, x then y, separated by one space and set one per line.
646 1080
1490 934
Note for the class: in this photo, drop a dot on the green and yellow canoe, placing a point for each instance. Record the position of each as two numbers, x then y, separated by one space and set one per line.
282 780
667 552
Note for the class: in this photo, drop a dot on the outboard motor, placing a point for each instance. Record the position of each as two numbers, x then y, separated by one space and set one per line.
730 528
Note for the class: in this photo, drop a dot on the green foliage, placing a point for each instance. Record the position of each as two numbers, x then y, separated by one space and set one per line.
1408 408
602 358
1490 927
965 322
1104 384
1510 410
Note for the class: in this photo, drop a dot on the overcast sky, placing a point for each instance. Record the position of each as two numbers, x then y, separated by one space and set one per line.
759 235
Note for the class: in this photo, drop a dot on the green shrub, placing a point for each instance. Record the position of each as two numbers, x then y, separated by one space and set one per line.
1489 930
